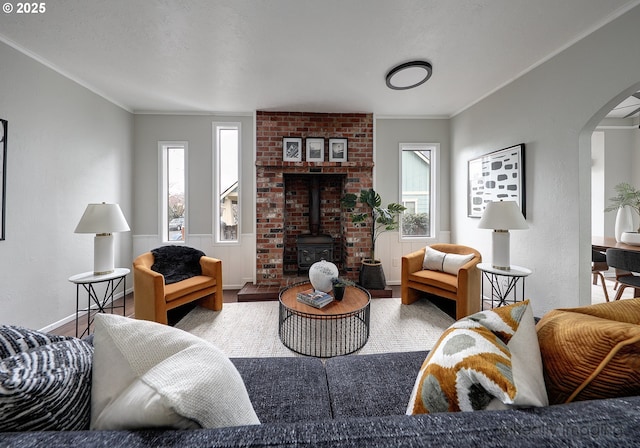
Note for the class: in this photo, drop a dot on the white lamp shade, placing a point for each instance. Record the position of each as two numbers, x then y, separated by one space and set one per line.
502 215
102 218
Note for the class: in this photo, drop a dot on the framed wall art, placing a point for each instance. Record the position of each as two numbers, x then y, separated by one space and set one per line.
4 128
292 149
337 150
499 175
315 149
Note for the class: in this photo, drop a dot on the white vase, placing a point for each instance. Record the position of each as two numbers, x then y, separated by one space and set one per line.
624 222
321 274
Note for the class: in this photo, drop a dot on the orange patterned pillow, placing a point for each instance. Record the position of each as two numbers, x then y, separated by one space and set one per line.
591 352
489 360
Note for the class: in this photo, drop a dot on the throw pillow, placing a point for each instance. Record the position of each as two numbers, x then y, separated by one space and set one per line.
434 260
591 352
489 360
149 375
45 381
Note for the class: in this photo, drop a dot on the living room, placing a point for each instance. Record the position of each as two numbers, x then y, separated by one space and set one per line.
69 146
86 124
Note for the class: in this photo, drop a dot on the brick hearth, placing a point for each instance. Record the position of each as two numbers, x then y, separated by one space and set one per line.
282 190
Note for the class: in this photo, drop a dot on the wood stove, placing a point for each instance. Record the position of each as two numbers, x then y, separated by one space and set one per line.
314 246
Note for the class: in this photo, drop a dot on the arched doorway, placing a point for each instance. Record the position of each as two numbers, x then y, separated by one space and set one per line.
614 149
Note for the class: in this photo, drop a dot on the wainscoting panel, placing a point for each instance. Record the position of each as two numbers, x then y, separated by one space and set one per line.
238 259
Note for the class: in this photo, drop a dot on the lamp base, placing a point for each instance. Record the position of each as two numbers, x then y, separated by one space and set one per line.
103 254
501 247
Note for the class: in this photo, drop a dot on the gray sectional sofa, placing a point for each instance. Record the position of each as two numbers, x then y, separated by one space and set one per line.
359 401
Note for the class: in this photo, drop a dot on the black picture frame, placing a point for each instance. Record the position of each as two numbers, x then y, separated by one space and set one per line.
315 149
498 175
292 149
338 149
4 131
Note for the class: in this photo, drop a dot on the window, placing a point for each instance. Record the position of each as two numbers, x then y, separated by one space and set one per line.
417 189
173 198
226 142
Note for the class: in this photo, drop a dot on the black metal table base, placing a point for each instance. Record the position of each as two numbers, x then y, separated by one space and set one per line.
100 305
324 336
501 293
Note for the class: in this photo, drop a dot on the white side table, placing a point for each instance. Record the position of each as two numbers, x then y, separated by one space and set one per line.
504 283
87 280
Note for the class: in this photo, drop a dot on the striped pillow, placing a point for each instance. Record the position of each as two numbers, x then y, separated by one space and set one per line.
45 381
591 352
434 260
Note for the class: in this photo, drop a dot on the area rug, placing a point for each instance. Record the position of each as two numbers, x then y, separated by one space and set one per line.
250 329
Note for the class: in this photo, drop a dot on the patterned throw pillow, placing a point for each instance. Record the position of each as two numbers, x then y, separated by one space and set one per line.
591 352
45 381
489 360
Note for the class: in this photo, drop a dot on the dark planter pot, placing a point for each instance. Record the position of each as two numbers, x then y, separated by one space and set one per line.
372 275
338 292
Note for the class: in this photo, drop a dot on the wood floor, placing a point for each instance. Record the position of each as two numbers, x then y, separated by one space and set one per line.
69 329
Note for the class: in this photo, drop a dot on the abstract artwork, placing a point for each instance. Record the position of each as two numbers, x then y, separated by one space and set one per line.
496 176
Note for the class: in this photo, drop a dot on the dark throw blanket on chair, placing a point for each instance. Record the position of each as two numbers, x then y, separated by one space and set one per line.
176 263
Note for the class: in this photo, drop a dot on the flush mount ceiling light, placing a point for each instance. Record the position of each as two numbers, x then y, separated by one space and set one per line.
408 75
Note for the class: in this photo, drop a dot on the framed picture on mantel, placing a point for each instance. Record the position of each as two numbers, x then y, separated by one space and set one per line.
315 149
4 128
496 176
337 150
292 149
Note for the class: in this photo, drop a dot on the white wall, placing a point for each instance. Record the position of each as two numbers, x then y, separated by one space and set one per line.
598 199
239 260
389 133
553 109
67 147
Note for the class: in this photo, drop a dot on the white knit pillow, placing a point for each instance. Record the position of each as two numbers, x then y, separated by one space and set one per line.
434 260
148 375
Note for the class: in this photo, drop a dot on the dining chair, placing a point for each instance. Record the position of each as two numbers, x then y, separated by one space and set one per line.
627 265
598 266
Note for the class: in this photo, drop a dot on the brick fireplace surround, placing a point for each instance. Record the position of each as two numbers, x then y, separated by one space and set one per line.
282 196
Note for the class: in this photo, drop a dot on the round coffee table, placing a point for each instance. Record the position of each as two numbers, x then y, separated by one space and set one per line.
340 328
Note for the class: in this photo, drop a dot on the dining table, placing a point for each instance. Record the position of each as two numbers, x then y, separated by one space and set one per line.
602 243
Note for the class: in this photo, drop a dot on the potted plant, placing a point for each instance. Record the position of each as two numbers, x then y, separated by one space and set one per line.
339 285
626 199
381 219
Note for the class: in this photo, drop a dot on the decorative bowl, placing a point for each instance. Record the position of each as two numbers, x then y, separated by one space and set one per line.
631 238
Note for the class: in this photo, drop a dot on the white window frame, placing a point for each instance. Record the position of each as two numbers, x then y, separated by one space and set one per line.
216 126
163 189
434 206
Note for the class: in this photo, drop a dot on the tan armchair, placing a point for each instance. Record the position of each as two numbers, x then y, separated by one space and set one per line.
463 288
152 298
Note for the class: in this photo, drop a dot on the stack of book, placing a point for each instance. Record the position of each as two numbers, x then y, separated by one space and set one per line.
316 299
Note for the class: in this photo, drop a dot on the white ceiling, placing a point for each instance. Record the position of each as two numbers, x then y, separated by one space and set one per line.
299 55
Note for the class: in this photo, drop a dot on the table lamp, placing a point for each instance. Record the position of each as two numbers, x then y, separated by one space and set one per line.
103 220
501 216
